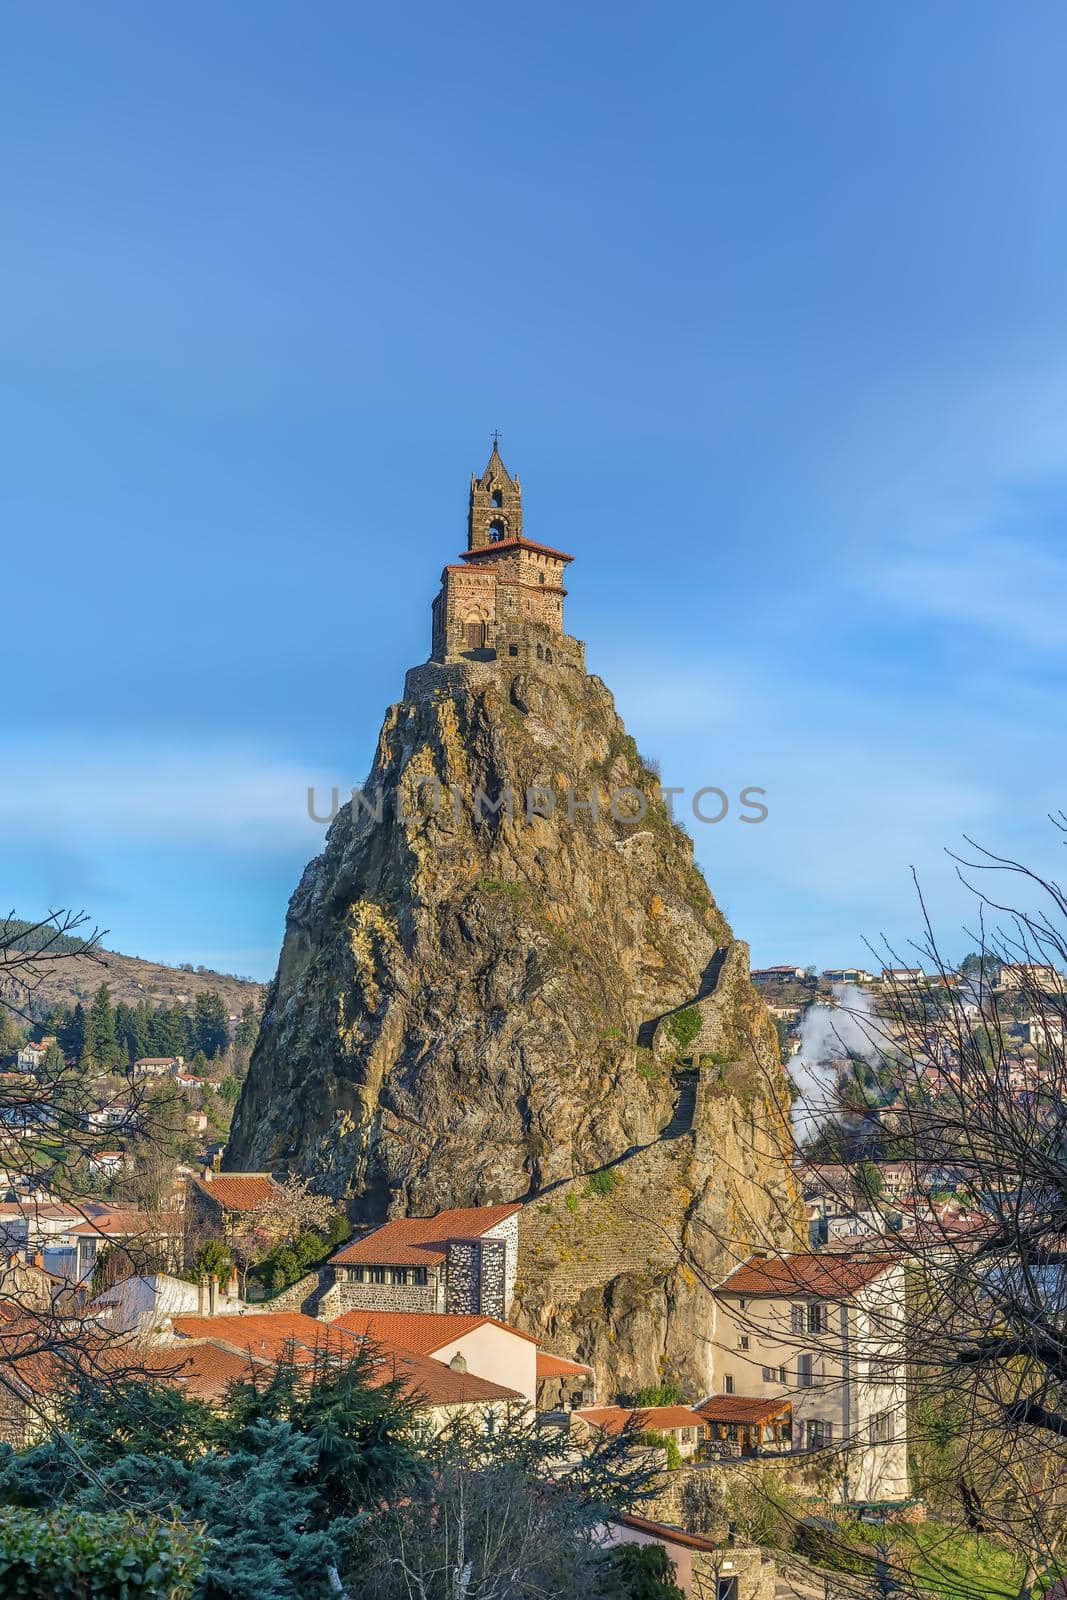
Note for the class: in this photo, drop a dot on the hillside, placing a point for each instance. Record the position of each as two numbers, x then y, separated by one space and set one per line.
129 978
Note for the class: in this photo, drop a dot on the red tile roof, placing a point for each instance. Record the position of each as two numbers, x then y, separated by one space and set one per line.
520 543
425 1331
268 1337
613 1419
828 1277
550 1366
742 1408
241 1191
420 1241
206 1369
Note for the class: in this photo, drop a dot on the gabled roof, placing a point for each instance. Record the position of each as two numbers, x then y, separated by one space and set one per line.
824 1276
269 1337
238 1191
420 1241
425 1331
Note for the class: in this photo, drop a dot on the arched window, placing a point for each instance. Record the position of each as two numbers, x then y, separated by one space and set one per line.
497 497
540 653
541 576
548 656
496 531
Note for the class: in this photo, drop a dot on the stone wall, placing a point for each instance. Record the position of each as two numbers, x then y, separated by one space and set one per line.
383 1297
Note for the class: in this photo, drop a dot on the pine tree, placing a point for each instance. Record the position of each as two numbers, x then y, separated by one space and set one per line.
72 1034
100 1049
210 1024
247 1029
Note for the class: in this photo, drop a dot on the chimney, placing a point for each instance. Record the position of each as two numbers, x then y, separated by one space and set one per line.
207 1174
232 1285
201 1295
212 1295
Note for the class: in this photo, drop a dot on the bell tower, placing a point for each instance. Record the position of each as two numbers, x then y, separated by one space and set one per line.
495 512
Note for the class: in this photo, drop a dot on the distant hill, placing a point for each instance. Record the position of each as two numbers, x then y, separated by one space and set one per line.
78 977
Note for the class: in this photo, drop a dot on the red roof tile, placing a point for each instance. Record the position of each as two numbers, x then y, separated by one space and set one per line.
424 1331
420 1241
271 1336
550 1366
828 1277
613 1419
742 1408
239 1192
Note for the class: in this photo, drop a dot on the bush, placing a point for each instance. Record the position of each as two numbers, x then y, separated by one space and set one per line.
602 1183
570 1200
64 1555
683 1027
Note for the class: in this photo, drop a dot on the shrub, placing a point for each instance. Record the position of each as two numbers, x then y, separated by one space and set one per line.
62 1555
570 1200
602 1183
683 1027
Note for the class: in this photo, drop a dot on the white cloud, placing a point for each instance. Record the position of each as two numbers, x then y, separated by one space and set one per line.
1006 585
162 794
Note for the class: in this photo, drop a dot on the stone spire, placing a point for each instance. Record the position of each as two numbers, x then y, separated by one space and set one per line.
495 512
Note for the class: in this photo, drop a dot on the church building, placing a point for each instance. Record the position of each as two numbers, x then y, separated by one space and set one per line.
504 599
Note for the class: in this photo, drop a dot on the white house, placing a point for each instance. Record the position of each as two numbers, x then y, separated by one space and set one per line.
825 1332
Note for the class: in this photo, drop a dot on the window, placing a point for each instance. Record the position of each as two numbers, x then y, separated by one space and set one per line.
497 498
880 1428
820 1434
496 531
768 1374
741 1304
781 1375
796 1319
728 1384
355 1274
805 1377
376 1274
742 1341
817 1319
400 1274
541 576
513 649
419 1275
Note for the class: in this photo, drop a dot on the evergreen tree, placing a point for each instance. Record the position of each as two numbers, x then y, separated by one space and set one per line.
210 1029
124 1034
247 1030
100 1049
167 1032
72 1033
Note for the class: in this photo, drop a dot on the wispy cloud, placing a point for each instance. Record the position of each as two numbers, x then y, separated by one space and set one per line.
166 795
1009 586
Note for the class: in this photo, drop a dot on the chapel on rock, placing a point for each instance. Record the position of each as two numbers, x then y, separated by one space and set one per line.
503 601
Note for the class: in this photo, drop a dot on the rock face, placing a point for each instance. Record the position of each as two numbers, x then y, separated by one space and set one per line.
473 1006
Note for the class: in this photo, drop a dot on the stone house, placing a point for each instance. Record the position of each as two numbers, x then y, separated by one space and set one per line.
460 1261
825 1332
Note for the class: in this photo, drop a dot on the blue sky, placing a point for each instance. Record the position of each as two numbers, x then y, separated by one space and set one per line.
770 306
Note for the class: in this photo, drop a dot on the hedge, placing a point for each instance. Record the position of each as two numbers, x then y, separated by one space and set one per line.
64 1555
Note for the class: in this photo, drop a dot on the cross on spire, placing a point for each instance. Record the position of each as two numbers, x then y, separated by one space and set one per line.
496 440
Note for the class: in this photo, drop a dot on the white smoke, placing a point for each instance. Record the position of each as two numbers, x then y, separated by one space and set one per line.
829 1035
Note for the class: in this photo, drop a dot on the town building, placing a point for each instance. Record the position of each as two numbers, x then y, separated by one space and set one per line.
504 598
158 1066
1016 975
682 1424
766 977
704 1569
462 1261
826 1333
478 1344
